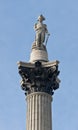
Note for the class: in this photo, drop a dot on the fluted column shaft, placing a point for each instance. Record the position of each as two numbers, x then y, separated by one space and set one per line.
39 111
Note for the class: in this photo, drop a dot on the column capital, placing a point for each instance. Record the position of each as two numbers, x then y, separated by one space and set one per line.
39 77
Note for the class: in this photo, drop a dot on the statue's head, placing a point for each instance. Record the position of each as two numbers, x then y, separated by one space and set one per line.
41 18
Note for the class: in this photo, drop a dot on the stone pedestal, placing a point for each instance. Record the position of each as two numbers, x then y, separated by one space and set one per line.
38 55
39 111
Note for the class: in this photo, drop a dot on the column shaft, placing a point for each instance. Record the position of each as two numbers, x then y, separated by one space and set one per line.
39 111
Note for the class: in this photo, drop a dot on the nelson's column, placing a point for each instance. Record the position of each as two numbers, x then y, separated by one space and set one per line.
39 80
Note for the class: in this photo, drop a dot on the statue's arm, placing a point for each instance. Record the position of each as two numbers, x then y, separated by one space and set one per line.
35 26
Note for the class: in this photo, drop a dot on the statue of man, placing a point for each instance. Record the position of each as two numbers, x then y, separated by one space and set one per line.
41 31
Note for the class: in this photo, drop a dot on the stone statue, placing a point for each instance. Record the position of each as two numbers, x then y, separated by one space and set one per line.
41 31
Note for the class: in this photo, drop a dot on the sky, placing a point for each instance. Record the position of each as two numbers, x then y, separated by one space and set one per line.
17 18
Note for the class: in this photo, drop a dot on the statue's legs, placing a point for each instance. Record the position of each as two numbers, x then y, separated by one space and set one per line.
40 38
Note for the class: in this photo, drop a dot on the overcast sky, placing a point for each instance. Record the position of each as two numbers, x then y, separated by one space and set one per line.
17 18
